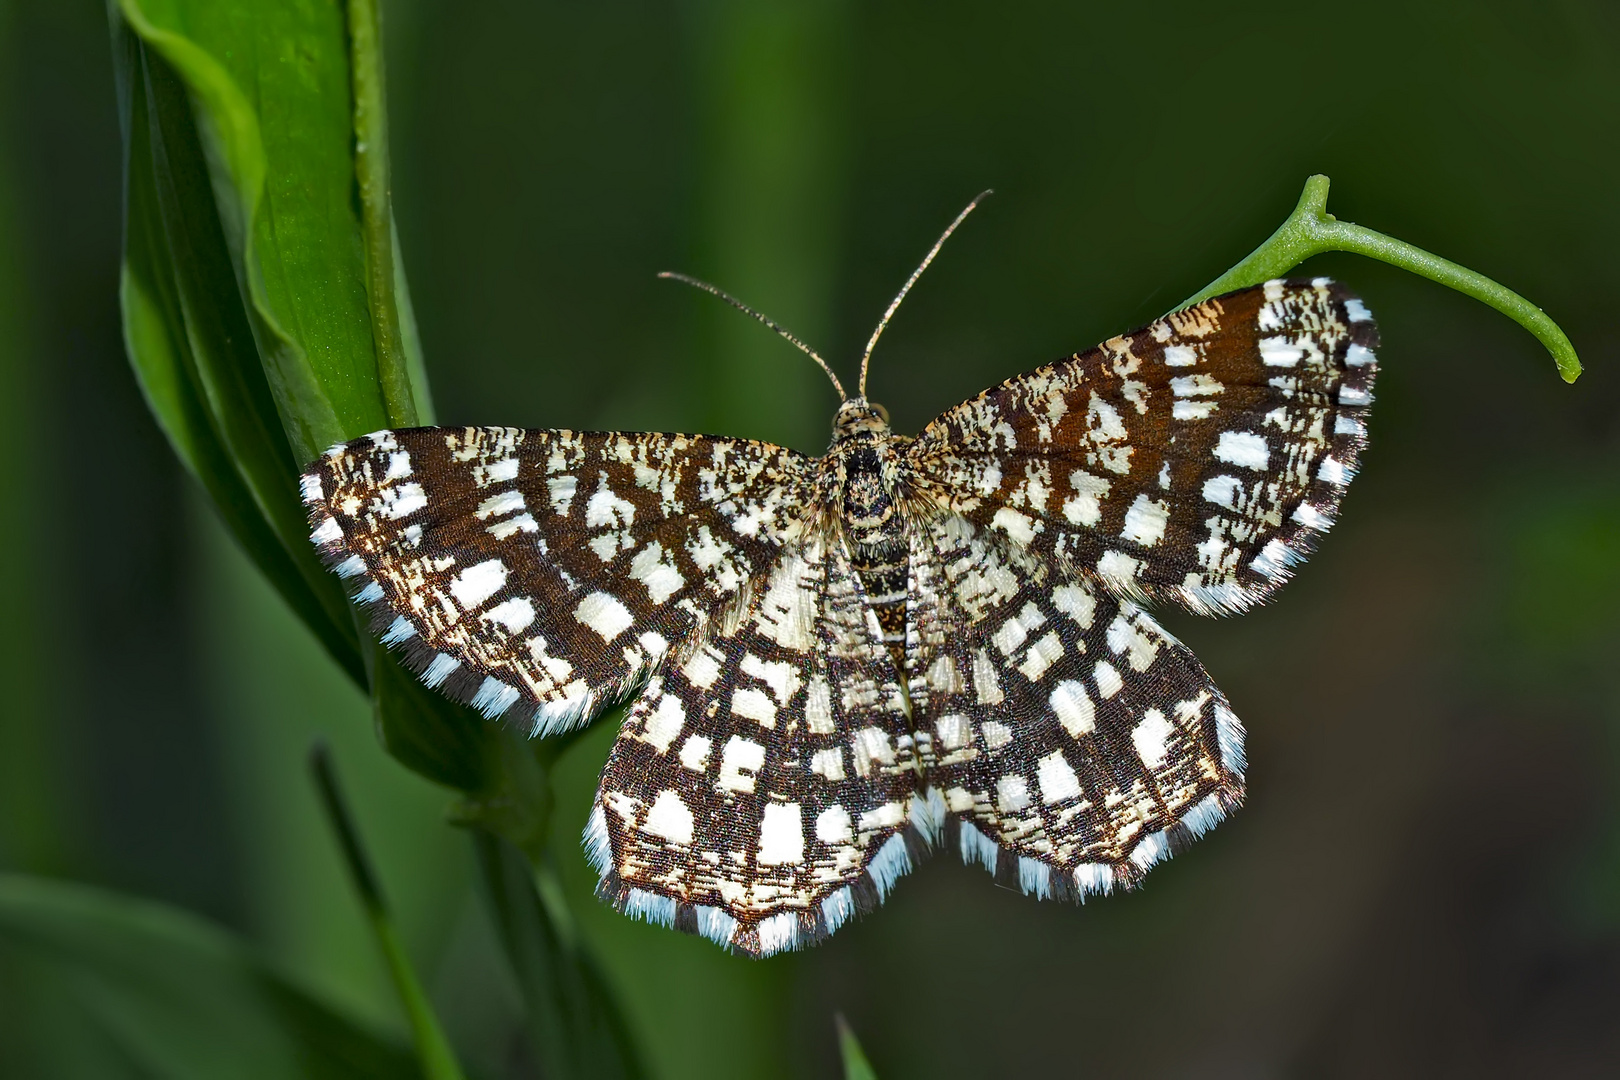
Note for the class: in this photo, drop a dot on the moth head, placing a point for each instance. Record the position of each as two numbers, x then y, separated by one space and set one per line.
857 416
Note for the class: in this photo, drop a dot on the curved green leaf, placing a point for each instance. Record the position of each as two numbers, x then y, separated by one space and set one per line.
190 345
427 732
270 87
254 287
267 317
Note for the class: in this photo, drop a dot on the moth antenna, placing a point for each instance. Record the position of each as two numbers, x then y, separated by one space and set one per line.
866 357
744 308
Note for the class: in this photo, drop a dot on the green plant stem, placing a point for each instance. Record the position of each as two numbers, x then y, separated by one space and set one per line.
1311 230
433 1050
371 170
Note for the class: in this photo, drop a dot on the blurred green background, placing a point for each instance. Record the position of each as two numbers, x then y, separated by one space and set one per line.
1426 879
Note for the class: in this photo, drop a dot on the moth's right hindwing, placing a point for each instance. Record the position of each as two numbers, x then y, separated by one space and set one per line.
537 575
1073 741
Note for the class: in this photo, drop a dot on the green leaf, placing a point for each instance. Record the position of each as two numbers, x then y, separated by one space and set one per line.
396 374
856 1067
250 303
573 1025
267 318
270 83
410 340
427 732
433 1050
177 998
193 354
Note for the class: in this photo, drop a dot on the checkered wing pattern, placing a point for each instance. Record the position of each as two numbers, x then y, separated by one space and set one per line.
537 575
1073 741
905 643
1194 460
762 788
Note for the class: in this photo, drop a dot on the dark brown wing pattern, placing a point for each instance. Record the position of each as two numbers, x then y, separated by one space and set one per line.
540 574
1072 741
1196 459
778 773
763 789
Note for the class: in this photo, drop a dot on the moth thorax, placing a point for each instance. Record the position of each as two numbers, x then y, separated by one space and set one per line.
868 498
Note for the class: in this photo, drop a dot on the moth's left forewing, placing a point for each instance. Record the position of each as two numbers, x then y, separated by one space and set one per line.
537 575
1197 459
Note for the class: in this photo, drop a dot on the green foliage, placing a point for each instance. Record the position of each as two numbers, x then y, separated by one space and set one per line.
146 990
263 307
570 1016
251 307
432 1049
257 318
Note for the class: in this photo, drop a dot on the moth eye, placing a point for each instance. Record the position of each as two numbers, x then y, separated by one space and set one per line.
881 411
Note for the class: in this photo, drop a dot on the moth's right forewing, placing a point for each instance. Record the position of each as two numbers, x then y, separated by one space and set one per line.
1197 459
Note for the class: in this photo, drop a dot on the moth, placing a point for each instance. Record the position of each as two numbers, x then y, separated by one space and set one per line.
838 664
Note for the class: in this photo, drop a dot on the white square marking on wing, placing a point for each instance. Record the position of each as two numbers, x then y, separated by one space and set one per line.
781 835
1150 737
1012 794
603 613
833 825
1145 521
478 583
695 752
1073 707
665 722
828 762
1244 449
669 818
739 761
1056 778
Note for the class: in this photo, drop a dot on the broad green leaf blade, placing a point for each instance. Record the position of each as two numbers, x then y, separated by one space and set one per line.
179 998
856 1067
271 84
574 1027
243 402
195 364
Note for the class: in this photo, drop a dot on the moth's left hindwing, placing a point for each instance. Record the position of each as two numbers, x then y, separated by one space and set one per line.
765 789
537 575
